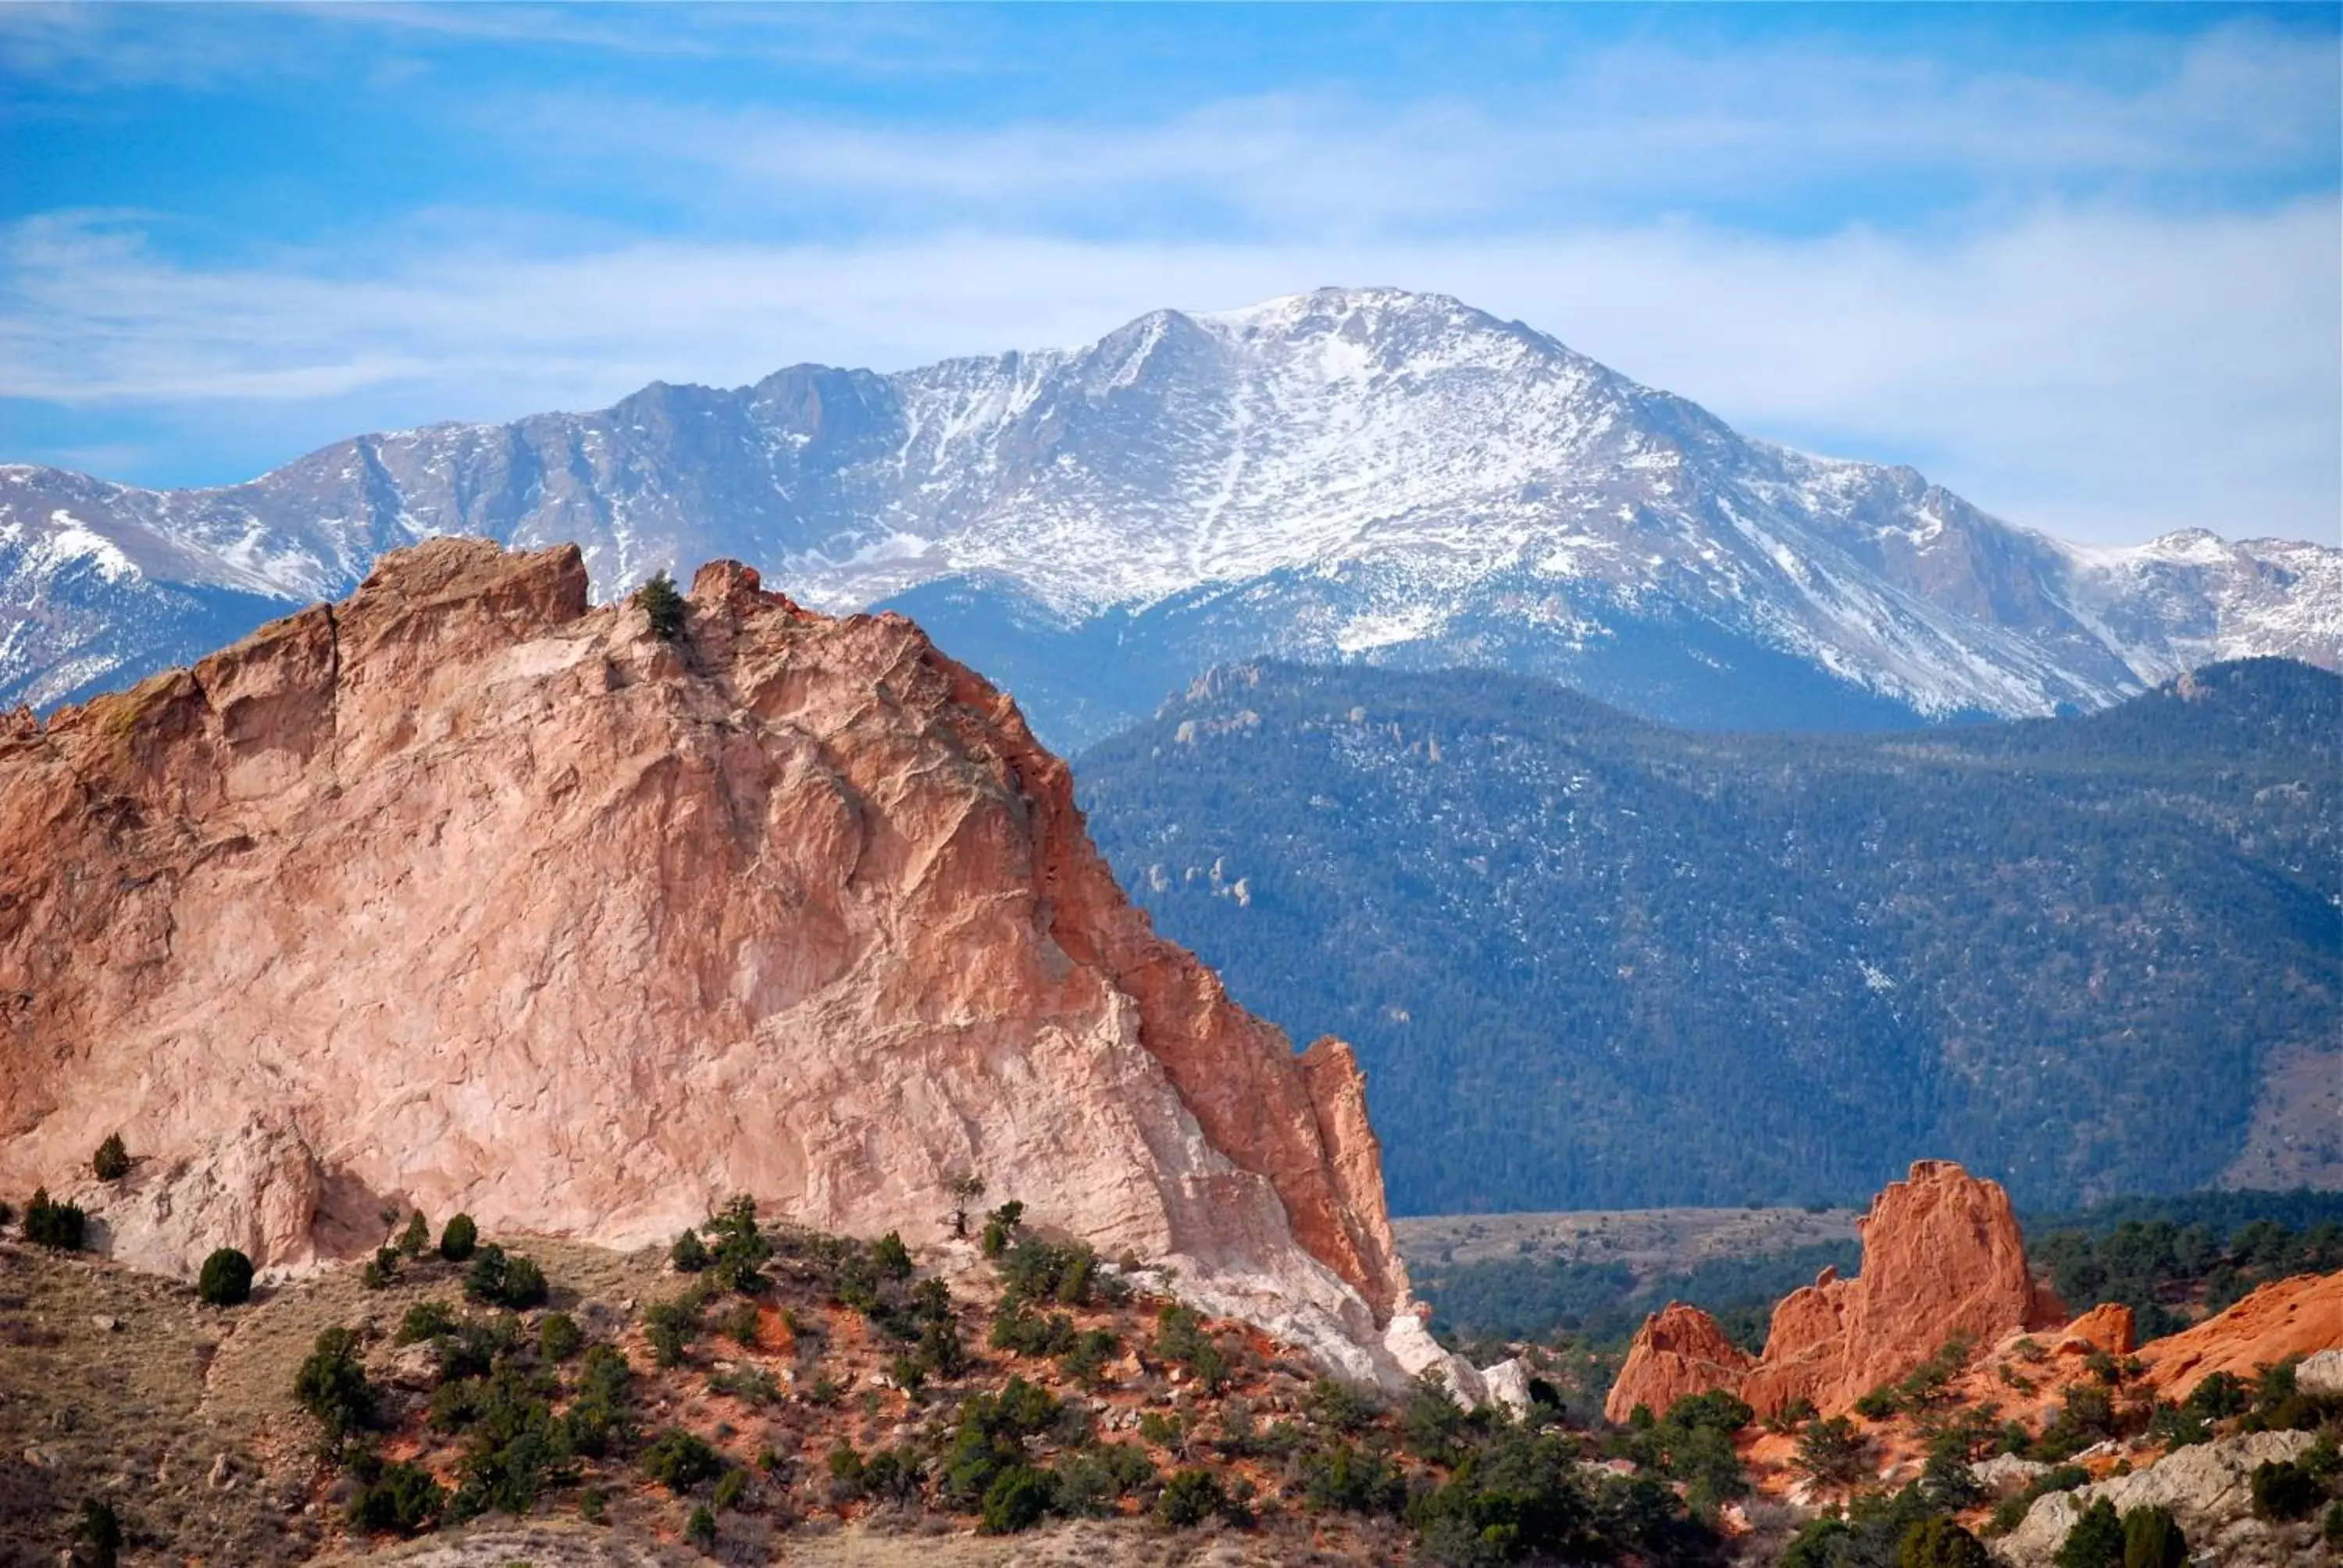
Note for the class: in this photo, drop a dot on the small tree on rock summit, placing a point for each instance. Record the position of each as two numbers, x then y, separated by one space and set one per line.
662 607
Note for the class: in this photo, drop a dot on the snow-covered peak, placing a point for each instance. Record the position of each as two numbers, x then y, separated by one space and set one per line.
1347 472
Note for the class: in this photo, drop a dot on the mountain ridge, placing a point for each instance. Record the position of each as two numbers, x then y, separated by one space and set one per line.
2084 955
1362 474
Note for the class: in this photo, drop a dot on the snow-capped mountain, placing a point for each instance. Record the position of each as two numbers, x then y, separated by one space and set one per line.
1348 474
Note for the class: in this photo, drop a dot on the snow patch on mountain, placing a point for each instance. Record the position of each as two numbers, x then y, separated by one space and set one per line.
1349 473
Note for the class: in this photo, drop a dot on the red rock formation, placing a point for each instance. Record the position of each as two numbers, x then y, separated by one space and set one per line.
2106 1327
1679 1351
463 895
1941 1258
2286 1317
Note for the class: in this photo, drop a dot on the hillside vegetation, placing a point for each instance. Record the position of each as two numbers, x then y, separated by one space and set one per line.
1594 962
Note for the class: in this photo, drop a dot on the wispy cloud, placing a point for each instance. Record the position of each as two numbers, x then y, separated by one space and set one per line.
2093 285
1636 127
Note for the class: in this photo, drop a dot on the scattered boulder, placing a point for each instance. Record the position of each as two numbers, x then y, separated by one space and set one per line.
2321 1374
2107 1327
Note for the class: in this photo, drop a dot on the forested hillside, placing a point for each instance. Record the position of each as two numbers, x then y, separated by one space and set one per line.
1594 962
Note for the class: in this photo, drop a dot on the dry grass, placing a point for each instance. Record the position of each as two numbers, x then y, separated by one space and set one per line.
1647 1240
116 1414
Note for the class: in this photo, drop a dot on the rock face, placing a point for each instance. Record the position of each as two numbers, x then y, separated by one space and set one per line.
1941 1257
1679 1351
463 895
2208 1489
2301 1316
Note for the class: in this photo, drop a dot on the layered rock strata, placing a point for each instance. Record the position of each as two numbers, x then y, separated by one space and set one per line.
1942 1259
463 895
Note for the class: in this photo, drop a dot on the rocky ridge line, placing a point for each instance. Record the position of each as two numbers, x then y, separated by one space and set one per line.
463 895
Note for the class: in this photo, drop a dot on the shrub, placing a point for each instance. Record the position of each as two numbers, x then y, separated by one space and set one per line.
1351 1480
1877 1405
425 1320
1017 1499
1180 1337
1087 1483
2096 1541
502 1279
2065 1478
1191 1497
2284 1489
742 1325
1430 1420
524 1285
2332 1526
485 1279
690 1253
670 1326
1341 1406
57 1225
1940 1542
750 1384
1832 1453
1033 1270
415 1237
739 1247
730 1487
965 1189
664 608
225 1280
558 1337
101 1530
457 1242
1024 1332
1717 1408
381 1269
893 1258
679 1461
332 1385
112 1160
403 1498
601 1418
2218 1396
1084 1361
2152 1539
700 1528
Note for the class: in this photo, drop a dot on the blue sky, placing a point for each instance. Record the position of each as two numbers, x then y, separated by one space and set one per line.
2083 263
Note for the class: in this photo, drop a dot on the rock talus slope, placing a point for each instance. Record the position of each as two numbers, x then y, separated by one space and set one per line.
463 895
1942 1256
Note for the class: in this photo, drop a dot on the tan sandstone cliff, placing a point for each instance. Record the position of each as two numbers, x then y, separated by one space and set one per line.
1942 1256
464 895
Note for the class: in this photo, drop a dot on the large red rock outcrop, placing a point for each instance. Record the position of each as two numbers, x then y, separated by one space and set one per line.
1941 1257
2300 1316
464 895
1679 1351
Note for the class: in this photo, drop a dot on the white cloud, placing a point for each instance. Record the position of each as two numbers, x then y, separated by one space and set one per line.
2106 374
1629 130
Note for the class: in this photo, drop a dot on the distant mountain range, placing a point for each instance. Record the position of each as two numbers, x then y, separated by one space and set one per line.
1359 475
1589 961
